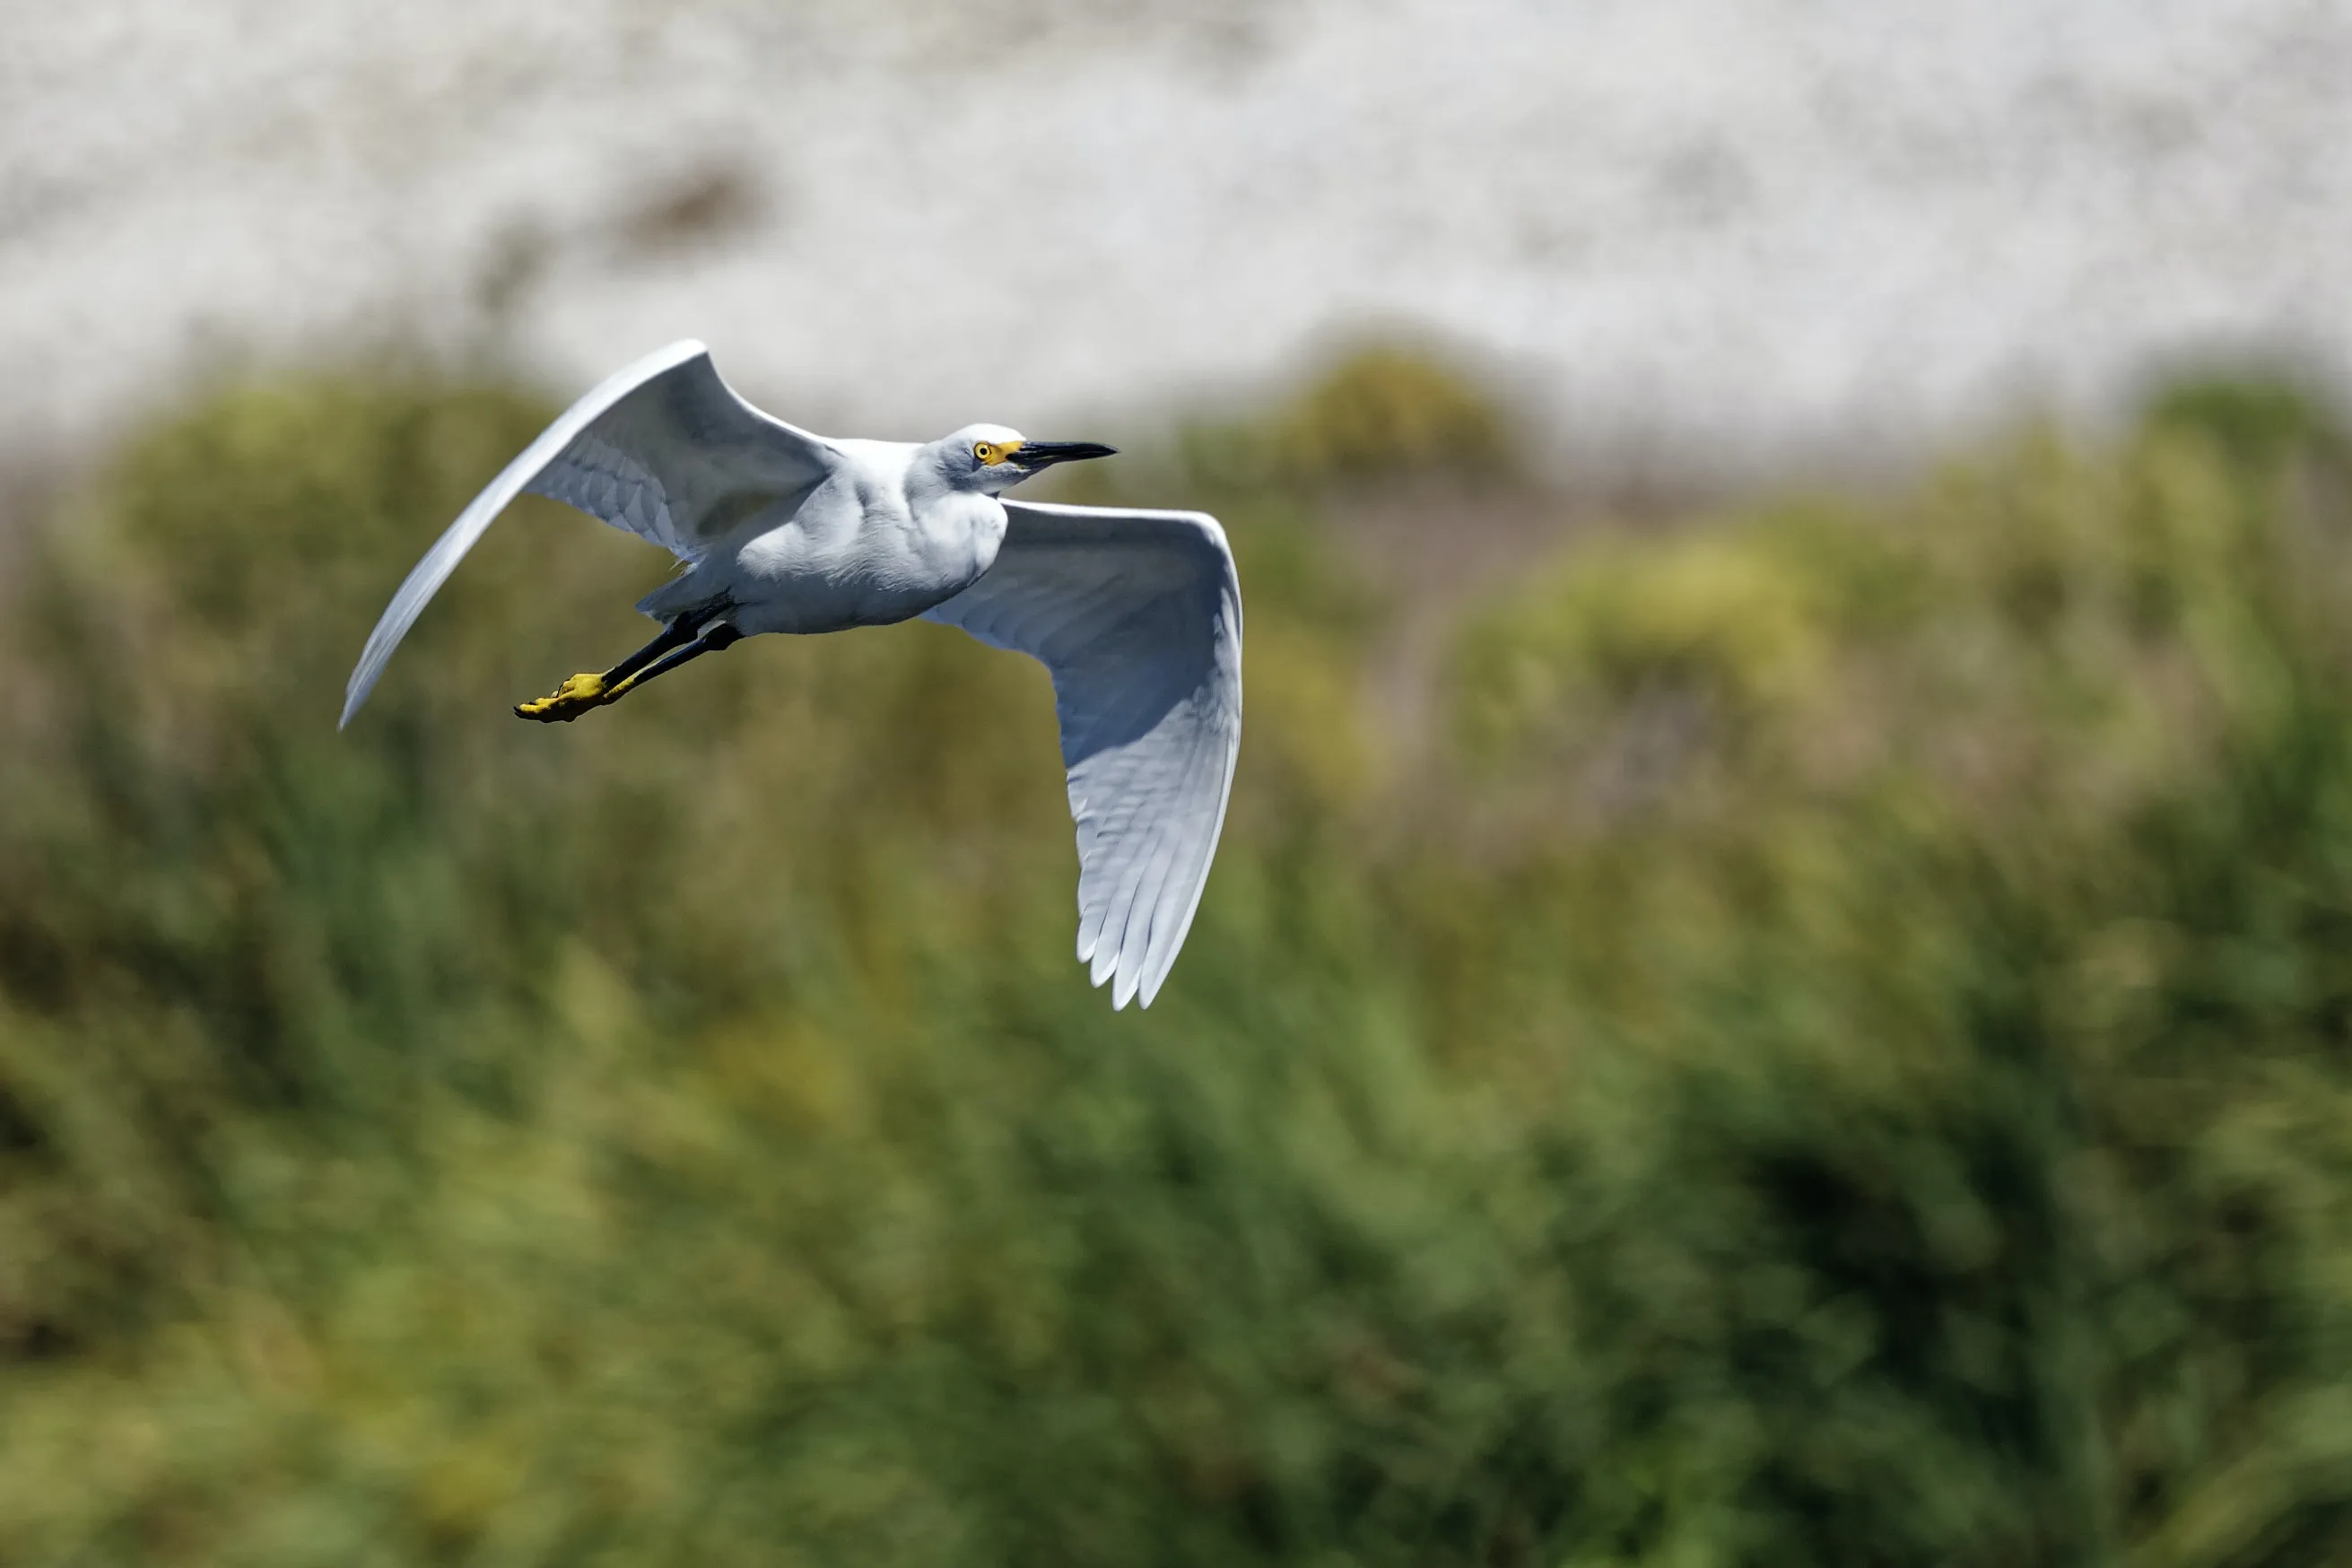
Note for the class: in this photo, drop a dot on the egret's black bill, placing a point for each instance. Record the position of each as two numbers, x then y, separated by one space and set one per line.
1035 455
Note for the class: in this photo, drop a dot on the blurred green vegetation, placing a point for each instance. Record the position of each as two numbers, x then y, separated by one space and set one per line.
1839 1053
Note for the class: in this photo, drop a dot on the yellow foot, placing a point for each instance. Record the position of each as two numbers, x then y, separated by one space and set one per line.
571 699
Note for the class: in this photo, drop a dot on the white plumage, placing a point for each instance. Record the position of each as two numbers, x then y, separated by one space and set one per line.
1136 614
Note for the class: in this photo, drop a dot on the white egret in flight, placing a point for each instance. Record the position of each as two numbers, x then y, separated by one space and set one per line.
1136 614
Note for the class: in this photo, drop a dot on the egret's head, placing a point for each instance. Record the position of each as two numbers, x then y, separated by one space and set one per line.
990 458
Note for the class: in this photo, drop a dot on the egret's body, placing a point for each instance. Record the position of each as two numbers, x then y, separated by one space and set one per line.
880 541
1136 614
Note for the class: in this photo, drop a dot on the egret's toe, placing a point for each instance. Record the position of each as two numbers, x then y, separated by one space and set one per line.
568 701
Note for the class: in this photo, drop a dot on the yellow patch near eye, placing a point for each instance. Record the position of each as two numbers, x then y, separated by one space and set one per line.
991 453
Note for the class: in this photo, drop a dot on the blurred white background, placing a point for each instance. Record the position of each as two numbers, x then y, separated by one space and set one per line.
1721 233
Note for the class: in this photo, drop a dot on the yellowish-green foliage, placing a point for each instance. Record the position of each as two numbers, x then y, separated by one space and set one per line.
1842 1057
1383 411
1378 414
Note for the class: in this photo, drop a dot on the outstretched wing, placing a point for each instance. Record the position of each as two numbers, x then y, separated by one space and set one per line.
1138 614
664 450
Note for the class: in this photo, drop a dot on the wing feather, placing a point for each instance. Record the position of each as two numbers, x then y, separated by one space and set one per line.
664 449
1138 617
1173 908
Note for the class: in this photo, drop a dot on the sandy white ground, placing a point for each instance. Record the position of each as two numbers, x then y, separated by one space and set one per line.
1766 227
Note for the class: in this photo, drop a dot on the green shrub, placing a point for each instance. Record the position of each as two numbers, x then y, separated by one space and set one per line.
1845 1061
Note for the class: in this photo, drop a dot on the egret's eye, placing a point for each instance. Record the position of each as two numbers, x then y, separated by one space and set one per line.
984 451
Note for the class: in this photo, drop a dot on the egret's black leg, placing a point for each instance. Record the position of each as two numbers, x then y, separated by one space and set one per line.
710 641
584 691
667 652
678 634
